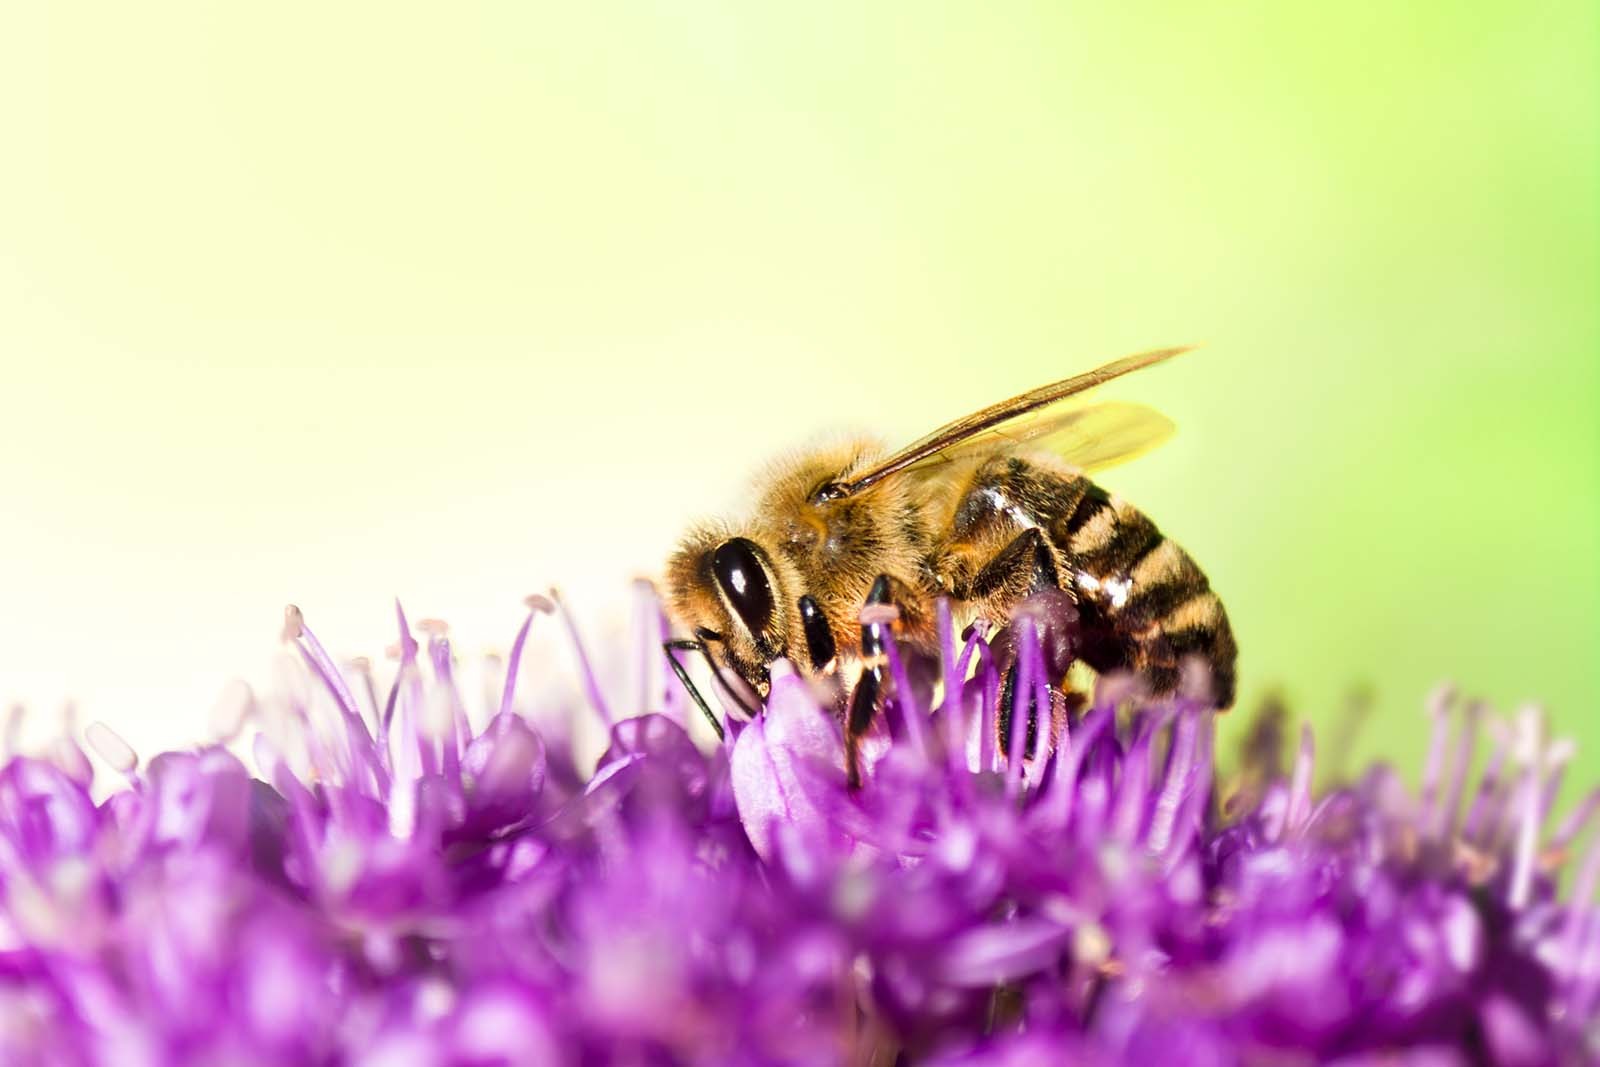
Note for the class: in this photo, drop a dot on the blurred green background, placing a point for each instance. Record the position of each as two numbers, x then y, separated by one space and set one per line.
331 302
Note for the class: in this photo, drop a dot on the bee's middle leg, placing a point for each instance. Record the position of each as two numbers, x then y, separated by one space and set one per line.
1029 566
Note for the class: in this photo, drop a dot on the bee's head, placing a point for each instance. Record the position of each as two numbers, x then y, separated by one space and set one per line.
731 594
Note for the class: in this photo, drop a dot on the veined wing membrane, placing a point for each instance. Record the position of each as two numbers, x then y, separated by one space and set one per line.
1091 437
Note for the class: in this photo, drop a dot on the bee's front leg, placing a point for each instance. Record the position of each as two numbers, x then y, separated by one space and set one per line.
908 627
820 645
862 707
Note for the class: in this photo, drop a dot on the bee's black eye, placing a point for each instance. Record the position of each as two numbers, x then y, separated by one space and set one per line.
737 566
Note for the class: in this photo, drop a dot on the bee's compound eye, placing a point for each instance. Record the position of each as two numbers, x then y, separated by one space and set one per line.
737 566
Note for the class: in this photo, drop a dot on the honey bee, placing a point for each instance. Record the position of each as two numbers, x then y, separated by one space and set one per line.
988 511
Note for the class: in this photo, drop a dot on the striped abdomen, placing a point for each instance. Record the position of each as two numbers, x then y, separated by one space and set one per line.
1144 604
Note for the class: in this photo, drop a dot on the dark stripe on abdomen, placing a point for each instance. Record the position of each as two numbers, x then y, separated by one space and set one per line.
1146 605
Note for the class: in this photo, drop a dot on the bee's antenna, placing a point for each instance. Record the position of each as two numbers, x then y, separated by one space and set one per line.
702 638
669 647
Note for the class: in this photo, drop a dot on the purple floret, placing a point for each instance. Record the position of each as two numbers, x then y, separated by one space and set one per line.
409 878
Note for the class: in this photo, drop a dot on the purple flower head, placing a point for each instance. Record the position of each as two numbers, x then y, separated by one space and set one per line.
1007 876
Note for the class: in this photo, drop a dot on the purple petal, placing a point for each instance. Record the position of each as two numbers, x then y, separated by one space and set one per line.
767 782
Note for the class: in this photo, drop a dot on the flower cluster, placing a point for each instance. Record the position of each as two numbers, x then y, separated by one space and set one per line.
408 882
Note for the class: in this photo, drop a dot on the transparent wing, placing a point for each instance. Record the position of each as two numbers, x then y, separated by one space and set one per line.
1092 437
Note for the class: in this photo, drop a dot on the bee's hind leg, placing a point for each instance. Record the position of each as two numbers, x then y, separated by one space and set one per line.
1026 566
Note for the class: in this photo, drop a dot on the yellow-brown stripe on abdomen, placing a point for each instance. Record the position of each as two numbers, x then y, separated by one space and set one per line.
1144 603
